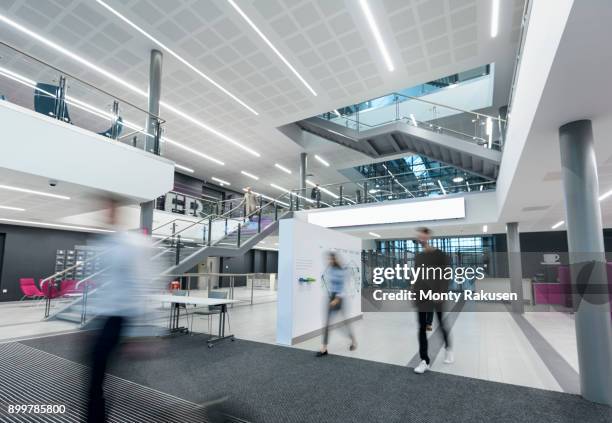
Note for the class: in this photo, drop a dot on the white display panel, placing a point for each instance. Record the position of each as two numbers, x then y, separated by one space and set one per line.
303 252
412 211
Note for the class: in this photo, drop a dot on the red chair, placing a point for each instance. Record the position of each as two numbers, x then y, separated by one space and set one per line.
68 288
29 289
48 289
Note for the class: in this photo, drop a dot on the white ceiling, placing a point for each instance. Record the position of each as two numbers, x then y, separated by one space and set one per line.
327 41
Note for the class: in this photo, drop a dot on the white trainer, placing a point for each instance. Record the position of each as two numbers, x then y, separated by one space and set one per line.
422 367
449 357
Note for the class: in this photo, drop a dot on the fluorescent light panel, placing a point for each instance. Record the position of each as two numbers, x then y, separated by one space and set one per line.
120 81
250 175
321 160
269 43
176 55
283 168
191 150
605 195
374 234
185 168
286 190
441 187
485 229
376 33
556 225
31 191
54 225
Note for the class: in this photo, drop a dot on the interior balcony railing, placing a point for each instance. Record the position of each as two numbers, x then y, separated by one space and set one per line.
36 85
390 187
479 128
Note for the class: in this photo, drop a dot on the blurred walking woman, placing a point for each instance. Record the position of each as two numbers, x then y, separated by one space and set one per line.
335 277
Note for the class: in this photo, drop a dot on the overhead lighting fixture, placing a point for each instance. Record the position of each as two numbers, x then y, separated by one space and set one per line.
269 43
185 168
31 191
481 187
12 208
467 184
111 76
283 168
221 181
494 18
441 187
191 150
374 234
176 55
250 175
337 113
268 197
485 229
376 33
321 160
278 187
413 119
325 190
556 225
489 131
605 195
55 225
458 179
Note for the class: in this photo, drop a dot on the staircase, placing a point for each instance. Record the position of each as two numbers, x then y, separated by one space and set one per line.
403 136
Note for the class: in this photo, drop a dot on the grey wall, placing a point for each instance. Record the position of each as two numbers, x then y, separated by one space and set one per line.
30 253
253 261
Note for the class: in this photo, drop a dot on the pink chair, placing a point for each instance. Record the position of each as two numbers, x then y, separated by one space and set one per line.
29 289
68 288
48 289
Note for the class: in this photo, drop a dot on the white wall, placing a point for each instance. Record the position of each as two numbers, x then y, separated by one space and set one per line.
42 146
301 307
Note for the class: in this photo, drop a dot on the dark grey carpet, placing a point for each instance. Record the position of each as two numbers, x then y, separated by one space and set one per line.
268 383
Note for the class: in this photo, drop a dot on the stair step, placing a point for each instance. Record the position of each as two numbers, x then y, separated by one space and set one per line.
71 316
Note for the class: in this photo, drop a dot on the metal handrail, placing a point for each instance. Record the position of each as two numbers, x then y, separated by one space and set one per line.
158 118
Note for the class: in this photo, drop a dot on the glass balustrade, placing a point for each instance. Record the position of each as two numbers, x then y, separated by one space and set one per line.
33 84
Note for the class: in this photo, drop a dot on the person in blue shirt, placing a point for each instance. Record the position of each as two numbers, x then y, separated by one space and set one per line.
335 277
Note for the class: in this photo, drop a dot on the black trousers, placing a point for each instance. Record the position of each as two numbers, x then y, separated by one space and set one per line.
423 322
331 311
105 343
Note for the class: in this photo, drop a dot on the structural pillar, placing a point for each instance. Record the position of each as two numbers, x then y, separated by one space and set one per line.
303 170
587 260
155 73
515 266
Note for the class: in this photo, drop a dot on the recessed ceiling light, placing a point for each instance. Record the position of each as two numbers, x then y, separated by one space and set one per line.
120 81
283 168
12 208
31 191
374 234
325 190
494 18
485 229
376 33
288 191
269 43
54 225
221 181
321 160
175 55
250 175
458 179
556 225
185 168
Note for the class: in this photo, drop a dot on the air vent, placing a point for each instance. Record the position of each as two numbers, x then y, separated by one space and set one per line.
535 208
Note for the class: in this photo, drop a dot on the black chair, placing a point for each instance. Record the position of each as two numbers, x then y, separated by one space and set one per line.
212 310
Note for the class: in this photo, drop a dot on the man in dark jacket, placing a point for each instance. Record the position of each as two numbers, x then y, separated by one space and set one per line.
433 263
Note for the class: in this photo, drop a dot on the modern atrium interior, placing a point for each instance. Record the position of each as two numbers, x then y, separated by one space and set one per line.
305 211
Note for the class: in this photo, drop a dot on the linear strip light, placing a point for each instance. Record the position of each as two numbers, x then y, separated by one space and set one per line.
556 225
221 181
120 81
185 168
269 43
441 187
376 33
605 195
175 55
250 175
485 229
325 190
297 195
283 168
54 225
191 150
12 208
321 160
31 191
494 18
374 234
268 198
